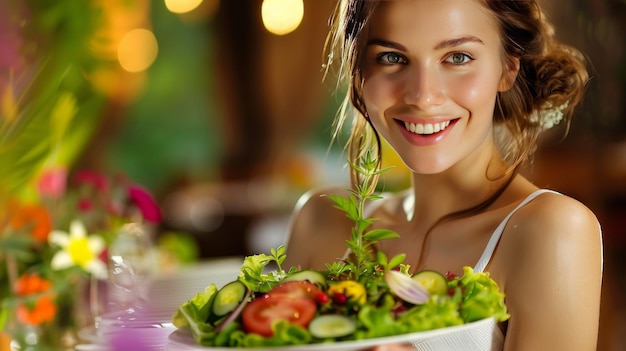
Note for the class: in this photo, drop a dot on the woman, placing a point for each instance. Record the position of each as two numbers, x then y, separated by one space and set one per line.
461 90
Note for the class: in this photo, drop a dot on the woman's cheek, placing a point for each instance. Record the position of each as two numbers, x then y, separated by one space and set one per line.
473 91
373 94
380 92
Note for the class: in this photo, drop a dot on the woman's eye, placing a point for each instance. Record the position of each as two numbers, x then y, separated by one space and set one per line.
390 58
458 58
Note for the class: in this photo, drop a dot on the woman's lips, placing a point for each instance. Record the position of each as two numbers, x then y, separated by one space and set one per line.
426 128
425 134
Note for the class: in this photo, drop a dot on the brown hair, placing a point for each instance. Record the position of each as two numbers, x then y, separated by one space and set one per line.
551 74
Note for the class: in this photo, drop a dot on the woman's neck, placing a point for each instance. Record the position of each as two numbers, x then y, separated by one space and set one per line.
463 186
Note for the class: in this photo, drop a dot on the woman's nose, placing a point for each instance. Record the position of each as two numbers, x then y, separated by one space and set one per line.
423 88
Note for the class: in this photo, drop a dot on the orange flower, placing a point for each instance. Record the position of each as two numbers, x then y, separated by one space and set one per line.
34 217
29 284
42 308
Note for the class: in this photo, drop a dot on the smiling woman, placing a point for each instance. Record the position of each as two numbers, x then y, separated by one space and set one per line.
448 79
461 90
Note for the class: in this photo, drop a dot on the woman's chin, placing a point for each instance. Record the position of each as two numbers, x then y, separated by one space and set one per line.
429 167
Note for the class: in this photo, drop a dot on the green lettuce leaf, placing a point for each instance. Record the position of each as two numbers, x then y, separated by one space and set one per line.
481 297
194 313
252 273
284 334
436 312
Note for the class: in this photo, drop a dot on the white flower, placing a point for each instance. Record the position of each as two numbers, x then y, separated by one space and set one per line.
78 249
547 116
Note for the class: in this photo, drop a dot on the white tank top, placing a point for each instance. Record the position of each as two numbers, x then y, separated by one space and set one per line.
484 335
495 237
497 234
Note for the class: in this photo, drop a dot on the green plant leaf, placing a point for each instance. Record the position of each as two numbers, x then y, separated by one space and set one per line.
363 223
61 115
381 258
396 261
380 234
347 205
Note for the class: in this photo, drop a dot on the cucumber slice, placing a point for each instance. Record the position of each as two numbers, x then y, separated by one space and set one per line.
228 298
330 326
434 282
312 276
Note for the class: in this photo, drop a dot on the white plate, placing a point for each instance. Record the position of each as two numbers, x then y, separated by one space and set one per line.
183 338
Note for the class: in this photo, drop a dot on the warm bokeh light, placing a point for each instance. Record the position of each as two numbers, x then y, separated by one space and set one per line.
282 16
182 6
137 50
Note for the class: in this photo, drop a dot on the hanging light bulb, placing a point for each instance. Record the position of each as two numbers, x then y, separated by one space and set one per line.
281 17
137 50
182 6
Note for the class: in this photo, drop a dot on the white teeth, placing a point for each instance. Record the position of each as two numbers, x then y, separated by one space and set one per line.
419 128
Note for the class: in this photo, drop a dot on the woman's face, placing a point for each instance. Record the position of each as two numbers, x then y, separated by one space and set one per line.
432 70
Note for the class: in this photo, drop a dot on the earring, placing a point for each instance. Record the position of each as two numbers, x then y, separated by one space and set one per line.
366 115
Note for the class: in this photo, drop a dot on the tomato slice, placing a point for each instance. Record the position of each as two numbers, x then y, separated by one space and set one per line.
260 314
296 289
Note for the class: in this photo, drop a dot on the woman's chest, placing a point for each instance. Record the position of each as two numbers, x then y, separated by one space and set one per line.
446 247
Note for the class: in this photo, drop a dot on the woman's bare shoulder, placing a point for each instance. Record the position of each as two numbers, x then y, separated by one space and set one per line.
316 200
318 229
561 216
551 225
550 260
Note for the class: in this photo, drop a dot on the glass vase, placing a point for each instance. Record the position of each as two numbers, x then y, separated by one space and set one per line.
77 305
58 334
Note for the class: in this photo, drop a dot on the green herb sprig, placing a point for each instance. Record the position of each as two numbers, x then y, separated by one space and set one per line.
363 262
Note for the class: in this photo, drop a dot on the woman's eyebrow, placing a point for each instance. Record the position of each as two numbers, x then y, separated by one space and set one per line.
458 41
449 43
386 43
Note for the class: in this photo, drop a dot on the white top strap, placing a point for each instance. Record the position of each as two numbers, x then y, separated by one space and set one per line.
495 237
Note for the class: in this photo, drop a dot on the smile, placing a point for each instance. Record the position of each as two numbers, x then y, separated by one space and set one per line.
425 129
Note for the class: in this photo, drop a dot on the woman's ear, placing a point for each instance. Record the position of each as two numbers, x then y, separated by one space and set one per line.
509 74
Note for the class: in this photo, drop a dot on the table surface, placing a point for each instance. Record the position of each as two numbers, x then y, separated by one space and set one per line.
148 328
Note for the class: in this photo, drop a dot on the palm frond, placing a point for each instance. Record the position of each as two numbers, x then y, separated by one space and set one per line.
41 120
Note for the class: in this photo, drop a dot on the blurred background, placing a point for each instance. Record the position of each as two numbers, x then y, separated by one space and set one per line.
219 109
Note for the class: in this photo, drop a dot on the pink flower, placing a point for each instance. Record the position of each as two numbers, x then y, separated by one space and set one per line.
145 202
52 182
94 178
84 205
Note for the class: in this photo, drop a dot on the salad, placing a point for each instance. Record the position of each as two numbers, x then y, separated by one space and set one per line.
366 296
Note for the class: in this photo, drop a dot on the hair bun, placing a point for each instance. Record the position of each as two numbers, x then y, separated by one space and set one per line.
560 77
